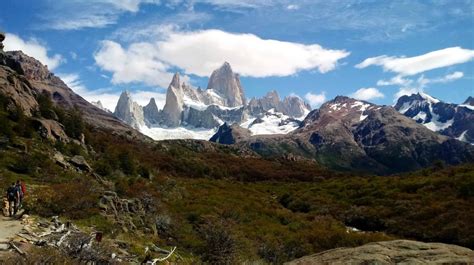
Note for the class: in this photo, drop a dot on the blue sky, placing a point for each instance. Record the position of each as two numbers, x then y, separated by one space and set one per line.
373 50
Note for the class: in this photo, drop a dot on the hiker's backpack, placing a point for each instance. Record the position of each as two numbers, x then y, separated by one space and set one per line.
11 193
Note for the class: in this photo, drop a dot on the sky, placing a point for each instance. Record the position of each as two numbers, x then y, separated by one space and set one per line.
368 49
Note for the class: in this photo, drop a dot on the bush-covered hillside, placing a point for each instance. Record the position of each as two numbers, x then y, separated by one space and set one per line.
219 205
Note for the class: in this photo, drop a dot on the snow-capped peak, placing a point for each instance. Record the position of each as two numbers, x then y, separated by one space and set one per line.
429 98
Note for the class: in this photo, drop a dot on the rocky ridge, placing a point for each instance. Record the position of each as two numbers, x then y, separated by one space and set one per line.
349 134
453 120
222 102
23 77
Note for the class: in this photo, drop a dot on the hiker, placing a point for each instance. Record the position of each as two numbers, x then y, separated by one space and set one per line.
19 186
13 197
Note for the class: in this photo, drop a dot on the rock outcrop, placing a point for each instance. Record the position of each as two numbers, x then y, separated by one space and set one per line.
129 111
51 130
151 113
227 84
174 106
392 252
453 120
230 134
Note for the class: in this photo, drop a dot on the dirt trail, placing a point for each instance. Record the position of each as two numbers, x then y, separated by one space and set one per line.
9 228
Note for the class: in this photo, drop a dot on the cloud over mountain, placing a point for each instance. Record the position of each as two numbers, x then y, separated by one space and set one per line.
199 52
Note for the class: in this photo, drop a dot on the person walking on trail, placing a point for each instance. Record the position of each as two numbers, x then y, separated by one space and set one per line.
13 196
21 195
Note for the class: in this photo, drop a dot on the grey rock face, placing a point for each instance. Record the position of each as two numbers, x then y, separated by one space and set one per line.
174 106
227 84
392 252
151 113
230 134
212 116
129 111
80 162
292 106
456 121
223 101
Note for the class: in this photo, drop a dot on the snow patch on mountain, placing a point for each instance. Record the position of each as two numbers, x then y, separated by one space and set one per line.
162 133
271 123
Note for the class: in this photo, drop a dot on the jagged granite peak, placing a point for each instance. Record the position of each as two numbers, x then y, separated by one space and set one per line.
469 101
151 113
292 105
295 106
174 106
456 121
129 111
175 81
227 84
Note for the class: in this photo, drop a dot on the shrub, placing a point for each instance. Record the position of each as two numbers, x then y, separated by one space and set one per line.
220 246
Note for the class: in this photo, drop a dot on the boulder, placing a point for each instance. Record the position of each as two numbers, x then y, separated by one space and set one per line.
81 163
51 129
60 160
392 252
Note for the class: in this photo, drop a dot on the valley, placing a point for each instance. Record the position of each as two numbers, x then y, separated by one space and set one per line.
267 181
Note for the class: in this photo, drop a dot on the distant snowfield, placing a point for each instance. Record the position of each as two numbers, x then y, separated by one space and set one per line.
157 133
270 124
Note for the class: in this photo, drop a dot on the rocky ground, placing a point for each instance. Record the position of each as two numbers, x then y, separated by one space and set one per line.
392 252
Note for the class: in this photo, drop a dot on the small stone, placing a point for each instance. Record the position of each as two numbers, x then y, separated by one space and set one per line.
4 246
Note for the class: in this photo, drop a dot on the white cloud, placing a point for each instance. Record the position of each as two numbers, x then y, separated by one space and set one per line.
137 63
248 54
75 15
453 76
73 82
406 91
413 65
201 52
314 99
418 85
130 5
367 94
396 80
293 7
109 97
33 48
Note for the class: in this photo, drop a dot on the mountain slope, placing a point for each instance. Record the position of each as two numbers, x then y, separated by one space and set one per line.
453 120
38 79
347 134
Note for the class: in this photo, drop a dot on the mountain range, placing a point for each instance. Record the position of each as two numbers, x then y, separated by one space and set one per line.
192 109
343 134
349 134
453 120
